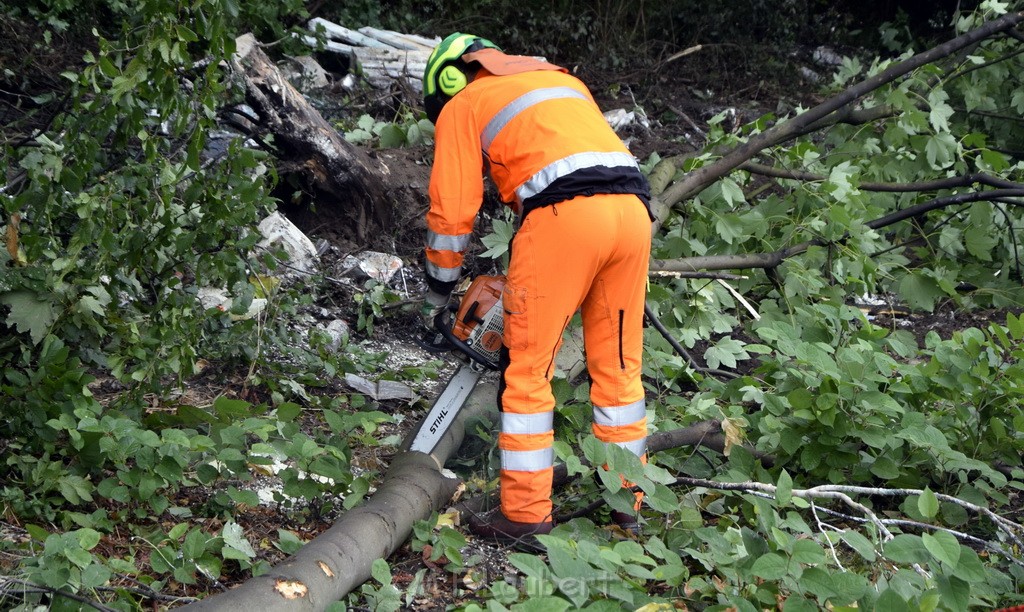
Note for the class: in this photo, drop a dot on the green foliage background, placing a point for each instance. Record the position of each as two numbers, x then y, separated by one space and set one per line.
114 218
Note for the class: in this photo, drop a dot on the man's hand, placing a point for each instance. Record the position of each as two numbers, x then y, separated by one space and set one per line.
433 304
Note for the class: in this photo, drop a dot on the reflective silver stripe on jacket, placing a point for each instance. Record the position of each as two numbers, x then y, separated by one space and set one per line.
527 461
446 242
567 165
523 102
637 447
541 422
616 416
445 275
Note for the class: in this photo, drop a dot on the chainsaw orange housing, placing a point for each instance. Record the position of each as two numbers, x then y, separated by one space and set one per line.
478 321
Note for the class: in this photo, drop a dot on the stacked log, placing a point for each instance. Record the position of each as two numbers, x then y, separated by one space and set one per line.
381 56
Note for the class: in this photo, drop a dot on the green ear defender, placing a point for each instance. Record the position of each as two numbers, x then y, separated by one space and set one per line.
451 80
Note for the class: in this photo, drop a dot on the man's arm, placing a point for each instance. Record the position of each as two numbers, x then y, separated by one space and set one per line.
456 192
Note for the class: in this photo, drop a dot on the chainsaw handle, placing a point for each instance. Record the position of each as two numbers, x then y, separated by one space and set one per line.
443 328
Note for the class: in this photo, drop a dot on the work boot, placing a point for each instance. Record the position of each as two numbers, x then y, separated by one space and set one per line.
494 525
626 522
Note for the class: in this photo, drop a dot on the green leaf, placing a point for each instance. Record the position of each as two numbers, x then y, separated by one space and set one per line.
381 571
920 291
235 539
849 587
970 568
906 548
819 582
288 411
194 545
928 504
594 450
885 467
231 410
784 488
572 572
529 564
940 150
943 546
772 566
81 558
95 576
611 481
940 111
88 538
859 543
75 489
980 241
953 592
808 552
392 136
543 604
29 313
287 542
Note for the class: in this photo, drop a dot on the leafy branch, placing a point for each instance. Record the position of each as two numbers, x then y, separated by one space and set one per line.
698 179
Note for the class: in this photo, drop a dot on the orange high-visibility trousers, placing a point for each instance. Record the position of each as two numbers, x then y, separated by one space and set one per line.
591 254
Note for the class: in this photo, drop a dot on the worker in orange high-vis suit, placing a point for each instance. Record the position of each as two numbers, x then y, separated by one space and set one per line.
583 244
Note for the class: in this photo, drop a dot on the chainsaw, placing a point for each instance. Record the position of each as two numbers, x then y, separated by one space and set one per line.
475 331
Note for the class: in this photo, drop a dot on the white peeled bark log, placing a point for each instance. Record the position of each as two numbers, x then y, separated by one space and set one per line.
343 34
395 39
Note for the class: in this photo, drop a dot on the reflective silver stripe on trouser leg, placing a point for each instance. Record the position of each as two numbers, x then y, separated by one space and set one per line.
444 275
617 416
515 423
637 447
527 461
620 416
448 242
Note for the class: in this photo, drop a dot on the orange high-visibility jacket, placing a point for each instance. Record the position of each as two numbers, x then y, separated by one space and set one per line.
542 138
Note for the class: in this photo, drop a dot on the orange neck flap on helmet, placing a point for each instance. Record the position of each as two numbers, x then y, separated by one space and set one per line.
501 64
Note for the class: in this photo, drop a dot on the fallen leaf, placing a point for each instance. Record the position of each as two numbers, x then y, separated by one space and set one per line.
733 435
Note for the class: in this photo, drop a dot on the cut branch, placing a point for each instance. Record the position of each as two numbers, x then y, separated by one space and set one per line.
842 493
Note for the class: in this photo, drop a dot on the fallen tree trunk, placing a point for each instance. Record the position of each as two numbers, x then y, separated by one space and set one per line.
337 561
309 146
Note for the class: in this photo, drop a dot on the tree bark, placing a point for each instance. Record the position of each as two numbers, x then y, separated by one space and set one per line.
311 147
